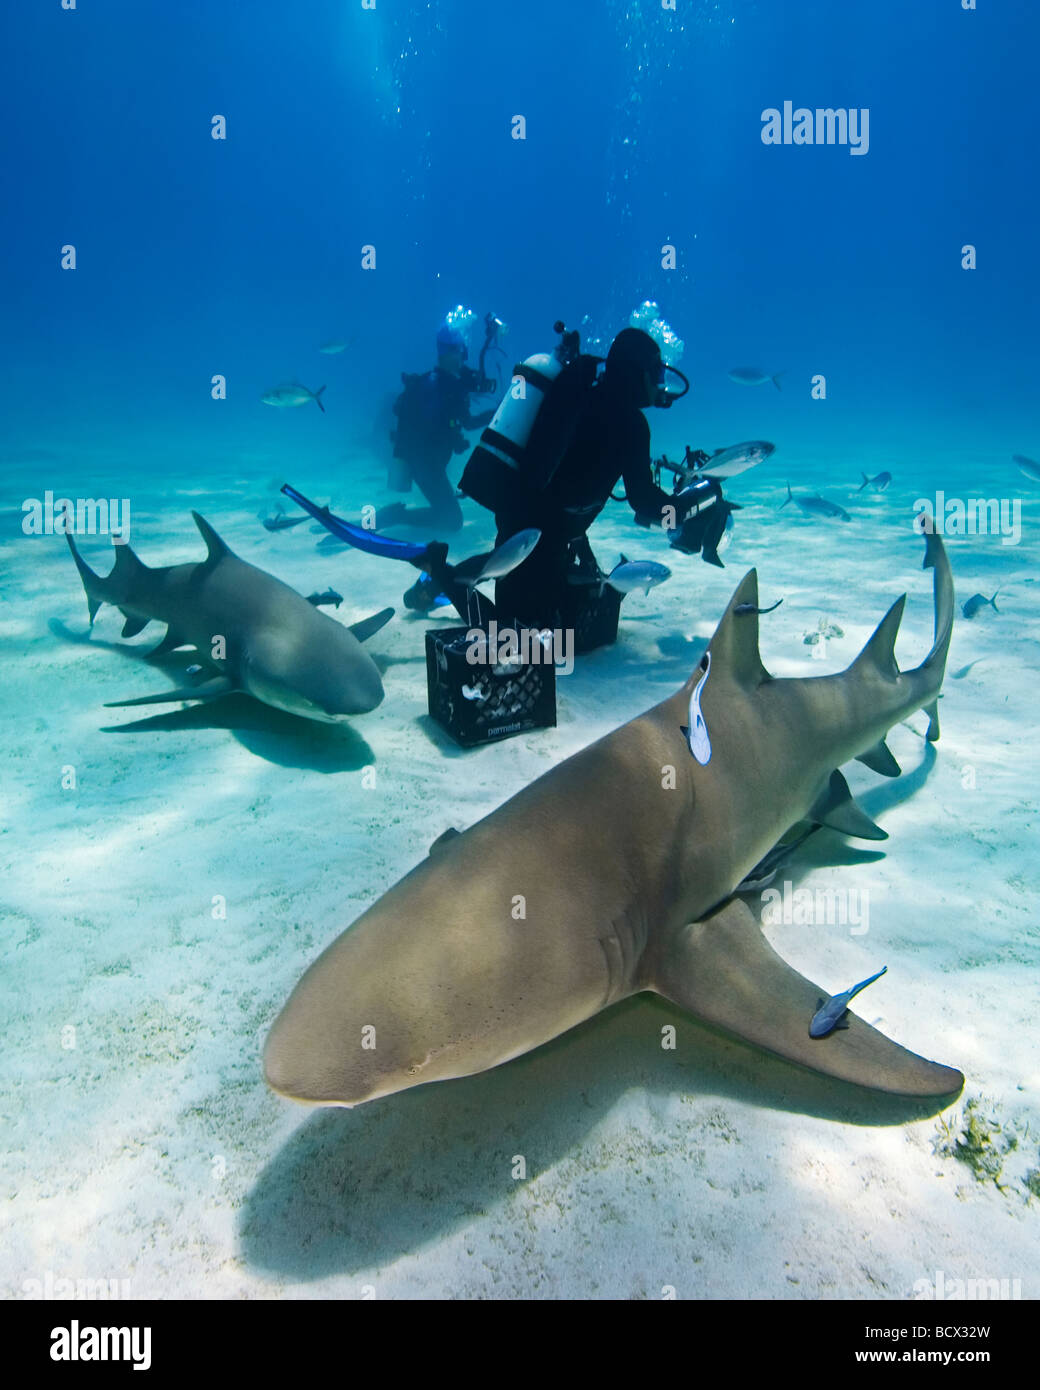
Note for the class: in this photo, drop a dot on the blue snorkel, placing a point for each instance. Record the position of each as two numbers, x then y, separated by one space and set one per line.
370 541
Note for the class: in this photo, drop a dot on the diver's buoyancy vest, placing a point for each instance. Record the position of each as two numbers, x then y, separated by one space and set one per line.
521 449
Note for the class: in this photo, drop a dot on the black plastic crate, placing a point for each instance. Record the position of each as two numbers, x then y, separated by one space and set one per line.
593 616
498 701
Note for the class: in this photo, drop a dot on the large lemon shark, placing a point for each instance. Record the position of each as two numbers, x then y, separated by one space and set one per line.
615 872
259 635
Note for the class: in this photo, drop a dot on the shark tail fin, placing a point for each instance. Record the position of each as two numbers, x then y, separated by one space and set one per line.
789 498
864 483
933 668
734 647
724 972
93 584
317 399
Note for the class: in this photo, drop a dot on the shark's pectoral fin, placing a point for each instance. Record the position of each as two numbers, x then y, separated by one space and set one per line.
134 623
170 643
835 807
880 759
724 972
450 834
368 627
208 690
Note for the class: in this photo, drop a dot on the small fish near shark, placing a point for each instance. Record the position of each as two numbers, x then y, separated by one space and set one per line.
876 484
830 1013
635 574
273 644
629 884
974 605
816 506
291 393
328 599
502 561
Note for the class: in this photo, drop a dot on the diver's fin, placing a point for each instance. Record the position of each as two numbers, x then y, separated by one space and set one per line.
170 643
215 547
368 627
835 808
208 690
134 623
724 972
880 759
450 834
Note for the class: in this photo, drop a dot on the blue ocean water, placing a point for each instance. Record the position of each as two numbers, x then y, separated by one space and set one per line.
366 181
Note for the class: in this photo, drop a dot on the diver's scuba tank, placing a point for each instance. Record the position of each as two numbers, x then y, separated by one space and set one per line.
520 450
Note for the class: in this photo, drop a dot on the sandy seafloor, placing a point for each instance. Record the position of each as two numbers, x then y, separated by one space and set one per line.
151 1151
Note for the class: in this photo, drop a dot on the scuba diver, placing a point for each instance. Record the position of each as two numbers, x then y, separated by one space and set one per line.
555 473
561 439
432 412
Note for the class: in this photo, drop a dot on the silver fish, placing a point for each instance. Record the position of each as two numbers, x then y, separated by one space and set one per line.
816 506
506 557
738 458
336 345
292 393
877 483
753 376
637 574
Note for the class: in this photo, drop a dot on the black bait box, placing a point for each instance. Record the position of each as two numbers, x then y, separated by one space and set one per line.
485 684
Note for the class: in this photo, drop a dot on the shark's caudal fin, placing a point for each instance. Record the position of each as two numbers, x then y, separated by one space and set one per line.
113 587
724 972
734 647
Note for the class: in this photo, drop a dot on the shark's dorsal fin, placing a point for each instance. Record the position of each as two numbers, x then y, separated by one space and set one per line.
880 651
367 627
215 547
734 647
128 565
880 759
835 807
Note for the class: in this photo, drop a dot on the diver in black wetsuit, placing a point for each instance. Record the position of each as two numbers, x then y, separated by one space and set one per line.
611 442
432 411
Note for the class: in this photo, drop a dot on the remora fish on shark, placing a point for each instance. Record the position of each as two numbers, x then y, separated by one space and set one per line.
627 880
278 647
